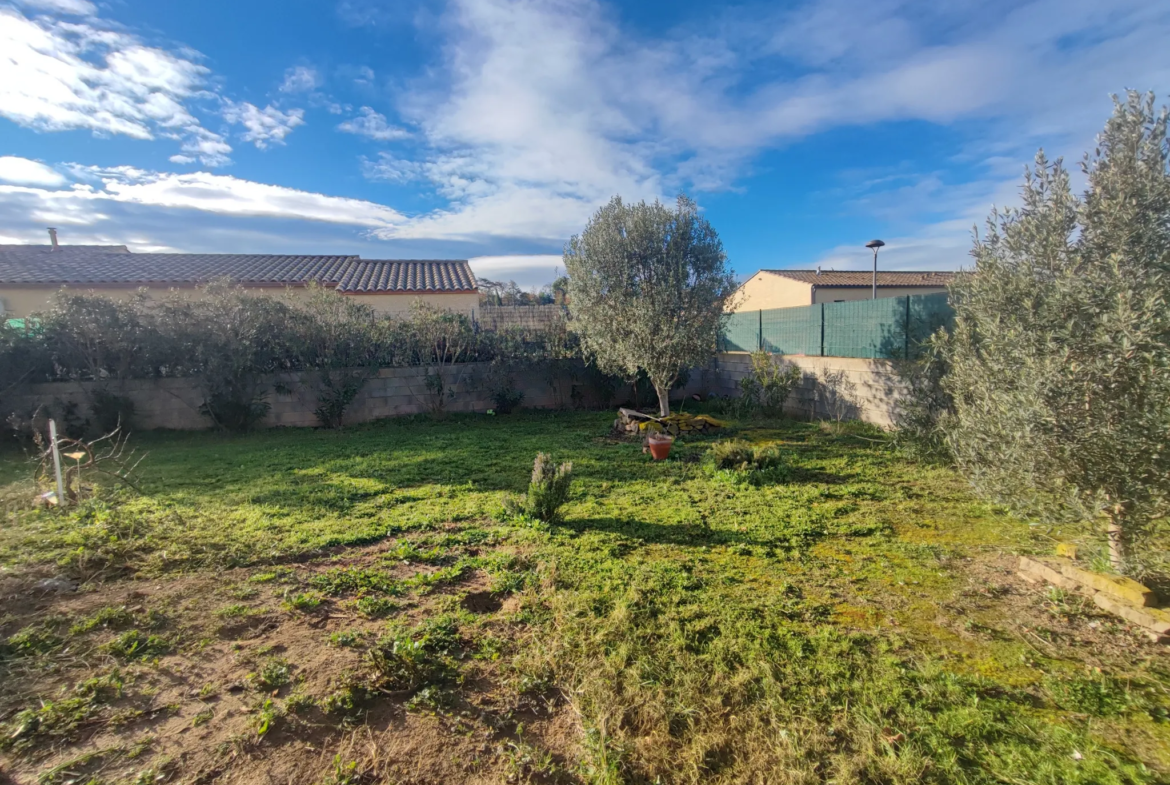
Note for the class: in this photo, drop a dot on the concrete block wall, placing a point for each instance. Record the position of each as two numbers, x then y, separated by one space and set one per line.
870 391
393 392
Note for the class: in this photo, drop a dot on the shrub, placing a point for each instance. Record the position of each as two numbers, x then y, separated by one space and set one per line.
769 384
505 401
548 490
922 411
343 342
231 340
440 339
1060 353
501 385
111 411
753 463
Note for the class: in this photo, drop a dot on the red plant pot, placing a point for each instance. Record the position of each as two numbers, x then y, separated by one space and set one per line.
660 446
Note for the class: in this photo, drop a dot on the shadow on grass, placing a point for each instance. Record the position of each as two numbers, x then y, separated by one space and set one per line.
692 534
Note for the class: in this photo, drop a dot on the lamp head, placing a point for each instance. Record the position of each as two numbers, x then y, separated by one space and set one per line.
874 244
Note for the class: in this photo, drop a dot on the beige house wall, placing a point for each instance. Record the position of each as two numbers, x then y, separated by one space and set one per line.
765 290
20 301
831 294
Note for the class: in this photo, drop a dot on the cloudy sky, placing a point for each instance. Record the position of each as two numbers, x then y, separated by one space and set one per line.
492 129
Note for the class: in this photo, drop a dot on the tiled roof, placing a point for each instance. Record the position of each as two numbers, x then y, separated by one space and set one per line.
37 250
864 278
407 275
347 273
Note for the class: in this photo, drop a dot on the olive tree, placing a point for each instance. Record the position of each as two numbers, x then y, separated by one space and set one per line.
1060 353
648 287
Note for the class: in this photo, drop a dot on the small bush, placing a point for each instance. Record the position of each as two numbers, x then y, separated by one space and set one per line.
111 411
548 489
738 455
506 401
235 413
768 386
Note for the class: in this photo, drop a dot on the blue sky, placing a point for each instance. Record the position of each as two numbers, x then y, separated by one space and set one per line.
492 129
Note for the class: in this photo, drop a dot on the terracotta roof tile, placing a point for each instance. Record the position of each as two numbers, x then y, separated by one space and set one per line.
78 266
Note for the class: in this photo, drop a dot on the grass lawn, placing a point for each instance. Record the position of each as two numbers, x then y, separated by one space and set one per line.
353 607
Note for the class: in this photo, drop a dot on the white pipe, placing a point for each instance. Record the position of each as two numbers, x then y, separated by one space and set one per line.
56 462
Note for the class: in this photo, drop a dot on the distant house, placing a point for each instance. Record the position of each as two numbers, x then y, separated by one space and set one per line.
31 274
789 288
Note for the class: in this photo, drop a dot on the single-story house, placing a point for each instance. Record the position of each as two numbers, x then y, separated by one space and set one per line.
31 274
789 288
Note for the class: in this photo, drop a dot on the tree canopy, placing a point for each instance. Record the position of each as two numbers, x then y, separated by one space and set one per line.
648 287
1060 354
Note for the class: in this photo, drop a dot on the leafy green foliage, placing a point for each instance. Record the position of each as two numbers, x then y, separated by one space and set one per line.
305 601
648 288
60 718
1060 355
411 659
376 607
135 645
341 581
765 389
1097 696
273 674
751 463
548 489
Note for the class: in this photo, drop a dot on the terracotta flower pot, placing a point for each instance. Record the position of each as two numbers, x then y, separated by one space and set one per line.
660 446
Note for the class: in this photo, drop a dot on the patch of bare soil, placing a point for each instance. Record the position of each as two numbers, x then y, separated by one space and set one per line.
255 676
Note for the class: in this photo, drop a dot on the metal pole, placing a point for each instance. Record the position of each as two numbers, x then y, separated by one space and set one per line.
56 462
875 273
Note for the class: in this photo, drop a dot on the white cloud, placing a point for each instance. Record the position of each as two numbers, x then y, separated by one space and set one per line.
22 171
529 271
372 125
300 79
213 193
263 126
392 168
57 75
72 7
541 110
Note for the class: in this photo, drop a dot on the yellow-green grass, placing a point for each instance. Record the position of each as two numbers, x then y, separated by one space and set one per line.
817 621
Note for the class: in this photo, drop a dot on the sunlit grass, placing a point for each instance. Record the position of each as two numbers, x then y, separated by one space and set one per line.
706 624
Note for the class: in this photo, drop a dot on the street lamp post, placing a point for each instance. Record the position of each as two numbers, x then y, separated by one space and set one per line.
875 245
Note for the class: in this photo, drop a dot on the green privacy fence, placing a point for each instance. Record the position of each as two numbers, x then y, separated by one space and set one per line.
890 327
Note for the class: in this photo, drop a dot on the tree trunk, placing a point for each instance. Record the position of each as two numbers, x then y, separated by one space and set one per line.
663 399
1116 535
